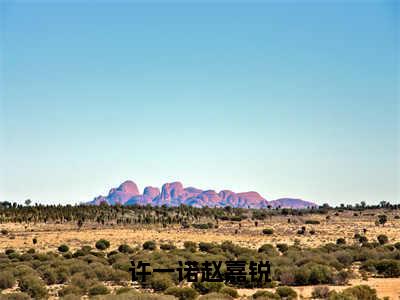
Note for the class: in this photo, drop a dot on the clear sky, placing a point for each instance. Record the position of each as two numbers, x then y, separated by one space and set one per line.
298 100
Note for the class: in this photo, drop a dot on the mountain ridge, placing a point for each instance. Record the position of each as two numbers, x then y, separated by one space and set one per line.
174 194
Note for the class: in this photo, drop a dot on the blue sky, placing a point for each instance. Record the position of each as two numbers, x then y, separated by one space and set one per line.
298 100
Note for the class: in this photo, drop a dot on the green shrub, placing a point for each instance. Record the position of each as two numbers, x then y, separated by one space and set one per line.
102 244
68 255
215 296
388 267
208 287
9 251
7 280
268 249
361 292
149 245
81 281
123 290
70 290
192 246
185 293
397 245
33 286
4 231
98 289
25 257
265 295
282 247
63 248
382 239
320 292
206 247
86 248
286 292
15 296
229 291
167 247
312 222
268 231
203 226
124 248
340 241
160 282
48 275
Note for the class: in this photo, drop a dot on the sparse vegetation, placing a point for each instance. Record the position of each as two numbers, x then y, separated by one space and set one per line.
87 271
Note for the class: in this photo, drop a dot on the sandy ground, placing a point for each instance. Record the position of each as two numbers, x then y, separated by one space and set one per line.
50 236
385 287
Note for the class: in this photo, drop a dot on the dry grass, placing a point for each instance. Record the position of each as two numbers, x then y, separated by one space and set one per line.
50 236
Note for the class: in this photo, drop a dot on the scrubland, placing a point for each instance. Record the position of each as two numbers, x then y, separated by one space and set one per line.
68 253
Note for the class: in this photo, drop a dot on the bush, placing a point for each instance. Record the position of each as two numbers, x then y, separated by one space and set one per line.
229 291
124 290
70 290
268 249
382 239
265 295
286 293
312 222
361 292
98 289
268 231
397 245
160 282
7 280
282 247
63 248
124 248
206 247
9 251
33 286
167 247
208 287
4 231
215 296
320 292
388 267
185 293
149 245
102 244
15 296
192 246
48 275
340 241
81 281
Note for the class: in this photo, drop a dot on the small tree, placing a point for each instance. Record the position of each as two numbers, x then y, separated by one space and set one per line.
63 248
382 239
382 219
102 244
149 245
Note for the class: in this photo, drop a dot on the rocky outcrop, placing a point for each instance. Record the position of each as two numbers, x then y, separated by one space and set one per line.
174 194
